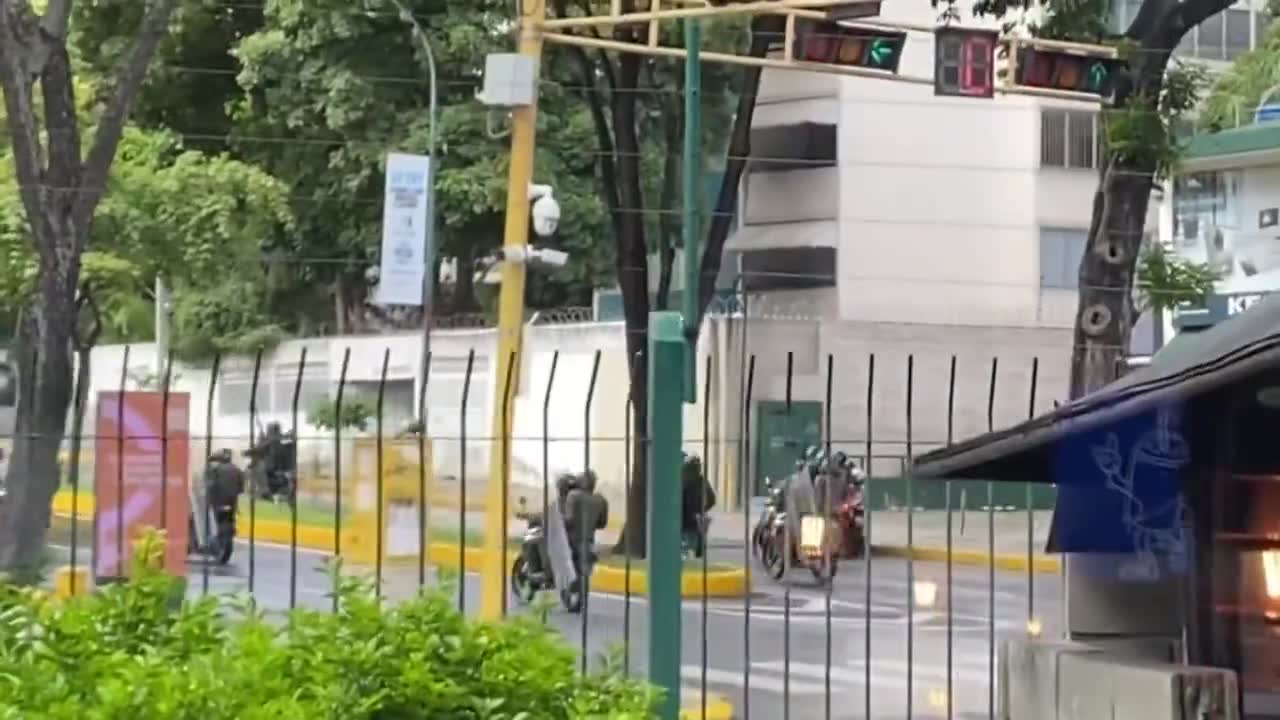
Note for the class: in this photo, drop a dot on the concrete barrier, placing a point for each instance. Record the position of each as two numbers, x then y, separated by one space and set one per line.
1058 680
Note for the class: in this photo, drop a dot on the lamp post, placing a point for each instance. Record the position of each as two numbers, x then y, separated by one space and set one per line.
429 257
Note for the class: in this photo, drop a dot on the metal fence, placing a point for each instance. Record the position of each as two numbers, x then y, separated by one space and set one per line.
910 630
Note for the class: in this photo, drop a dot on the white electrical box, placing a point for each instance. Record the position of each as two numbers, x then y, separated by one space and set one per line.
509 80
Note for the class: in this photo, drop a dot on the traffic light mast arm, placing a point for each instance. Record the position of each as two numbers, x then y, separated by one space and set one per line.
783 63
813 9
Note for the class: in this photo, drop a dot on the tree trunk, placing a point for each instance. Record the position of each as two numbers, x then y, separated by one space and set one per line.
60 189
1105 317
45 377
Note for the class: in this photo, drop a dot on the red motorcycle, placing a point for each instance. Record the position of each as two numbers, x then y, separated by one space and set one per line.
850 518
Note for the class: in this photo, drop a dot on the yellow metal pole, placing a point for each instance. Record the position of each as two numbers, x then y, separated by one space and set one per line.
510 322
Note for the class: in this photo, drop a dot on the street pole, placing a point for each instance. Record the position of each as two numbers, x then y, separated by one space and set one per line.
667 351
163 301
691 175
429 257
510 321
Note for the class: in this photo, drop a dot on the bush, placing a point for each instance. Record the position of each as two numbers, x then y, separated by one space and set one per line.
126 652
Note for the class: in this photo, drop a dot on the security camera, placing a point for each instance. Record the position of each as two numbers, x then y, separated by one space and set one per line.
550 258
546 215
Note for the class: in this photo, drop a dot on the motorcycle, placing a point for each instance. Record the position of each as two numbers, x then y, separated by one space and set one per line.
212 526
810 545
544 546
280 483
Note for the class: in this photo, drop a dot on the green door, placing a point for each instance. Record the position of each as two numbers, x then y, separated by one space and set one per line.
782 436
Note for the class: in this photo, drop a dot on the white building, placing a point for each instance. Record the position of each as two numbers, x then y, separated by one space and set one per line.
906 223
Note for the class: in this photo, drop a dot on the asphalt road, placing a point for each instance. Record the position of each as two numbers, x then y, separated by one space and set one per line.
773 644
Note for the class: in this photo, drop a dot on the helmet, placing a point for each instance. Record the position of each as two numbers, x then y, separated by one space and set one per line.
273 428
588 481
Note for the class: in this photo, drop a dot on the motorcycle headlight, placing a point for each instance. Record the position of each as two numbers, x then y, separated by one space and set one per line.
813 529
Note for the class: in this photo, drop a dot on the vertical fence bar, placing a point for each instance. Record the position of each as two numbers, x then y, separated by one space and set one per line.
208 452
911 540
626 556
380 492
991 555
745 481
77 439
951 418
1031 517
513 368
124 379
167 378
587 532
293 506
546 435
871 384
260 474
337 460
705 541
462 484
423 539
830 587
786 579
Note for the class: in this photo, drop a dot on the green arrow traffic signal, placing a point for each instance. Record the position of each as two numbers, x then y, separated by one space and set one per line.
1098 73
881 52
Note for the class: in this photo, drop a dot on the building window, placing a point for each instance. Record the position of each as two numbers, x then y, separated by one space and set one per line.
1203 203
1060 252
1069 139
1209 41
1237 32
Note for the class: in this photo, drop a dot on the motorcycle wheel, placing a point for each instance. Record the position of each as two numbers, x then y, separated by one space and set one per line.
855 544
771 556
521 584
571 597
824 571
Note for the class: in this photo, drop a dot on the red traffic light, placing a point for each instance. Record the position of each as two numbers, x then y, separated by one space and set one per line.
964 62
833 44
1059 70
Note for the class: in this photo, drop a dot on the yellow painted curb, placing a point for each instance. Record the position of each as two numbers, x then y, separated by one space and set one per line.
1017 562
718 708
733 583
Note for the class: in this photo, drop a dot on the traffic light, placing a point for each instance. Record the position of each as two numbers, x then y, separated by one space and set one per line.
833 44
1064 70
964 62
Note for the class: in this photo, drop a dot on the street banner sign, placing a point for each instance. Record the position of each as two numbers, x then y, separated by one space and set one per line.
404 230
140 478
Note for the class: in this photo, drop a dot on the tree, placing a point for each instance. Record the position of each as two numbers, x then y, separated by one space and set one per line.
631 127
1238 91
1150 97
198 219
320 111
61 179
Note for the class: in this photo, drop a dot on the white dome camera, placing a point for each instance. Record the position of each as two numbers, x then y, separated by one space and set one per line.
546 215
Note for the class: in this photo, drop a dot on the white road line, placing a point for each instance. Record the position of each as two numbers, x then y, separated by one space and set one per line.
733 678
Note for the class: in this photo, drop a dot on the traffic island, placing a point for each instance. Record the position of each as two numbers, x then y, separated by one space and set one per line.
613 575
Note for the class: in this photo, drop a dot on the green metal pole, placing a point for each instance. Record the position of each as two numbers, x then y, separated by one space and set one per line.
691 174
667 348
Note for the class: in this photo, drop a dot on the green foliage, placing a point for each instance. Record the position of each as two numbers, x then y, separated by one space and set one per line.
128 651
1166 280
1238 91
356 413
225 319
1144 131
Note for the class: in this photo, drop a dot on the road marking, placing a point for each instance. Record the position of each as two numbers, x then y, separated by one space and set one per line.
732 678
